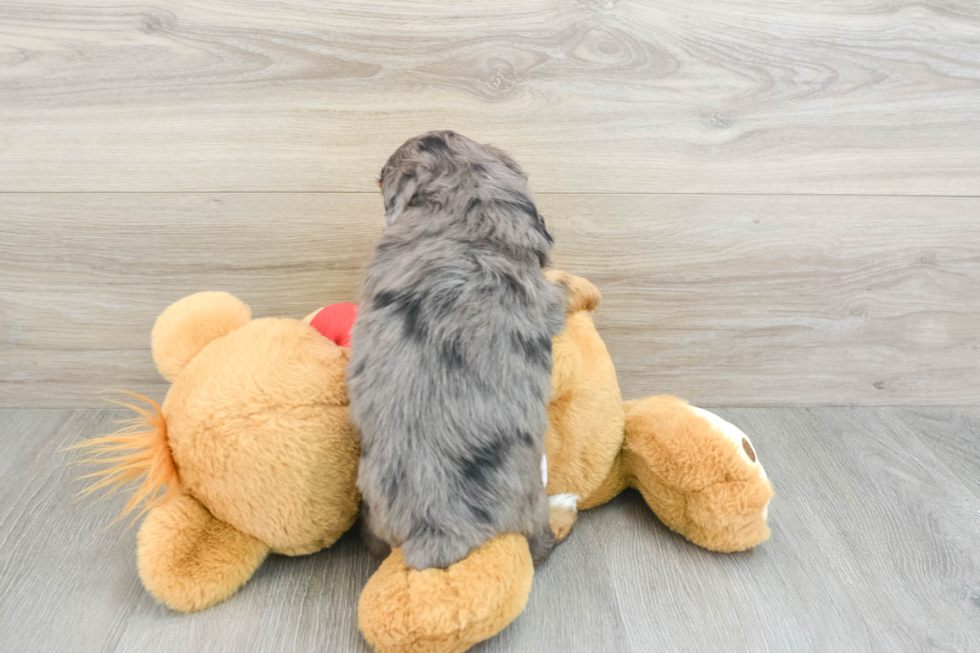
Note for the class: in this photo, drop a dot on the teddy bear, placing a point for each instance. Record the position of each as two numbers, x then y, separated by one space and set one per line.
252 452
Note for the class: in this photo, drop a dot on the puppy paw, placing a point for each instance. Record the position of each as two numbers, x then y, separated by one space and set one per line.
563 513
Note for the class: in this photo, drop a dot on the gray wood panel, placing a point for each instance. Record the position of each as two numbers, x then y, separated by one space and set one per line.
725 300
623 96
874 548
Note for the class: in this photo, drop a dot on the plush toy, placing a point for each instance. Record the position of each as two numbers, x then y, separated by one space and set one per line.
251 453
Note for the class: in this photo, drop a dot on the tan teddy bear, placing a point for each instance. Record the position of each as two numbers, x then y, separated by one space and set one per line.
252 452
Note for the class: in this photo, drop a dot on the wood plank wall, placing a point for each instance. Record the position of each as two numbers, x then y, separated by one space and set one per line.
779 201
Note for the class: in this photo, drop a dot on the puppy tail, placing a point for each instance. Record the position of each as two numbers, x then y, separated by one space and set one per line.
138 450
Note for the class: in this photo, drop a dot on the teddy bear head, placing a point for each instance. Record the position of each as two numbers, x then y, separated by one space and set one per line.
253 431
256 421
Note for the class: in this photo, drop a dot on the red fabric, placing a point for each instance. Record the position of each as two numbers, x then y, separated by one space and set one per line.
335 322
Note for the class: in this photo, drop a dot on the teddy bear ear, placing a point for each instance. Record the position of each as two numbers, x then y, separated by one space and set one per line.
188 325
580 294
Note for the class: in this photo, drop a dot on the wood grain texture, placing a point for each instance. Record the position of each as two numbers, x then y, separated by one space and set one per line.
720 96
730 300
874 548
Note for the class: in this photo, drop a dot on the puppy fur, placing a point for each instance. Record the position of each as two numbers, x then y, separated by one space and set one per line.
451 356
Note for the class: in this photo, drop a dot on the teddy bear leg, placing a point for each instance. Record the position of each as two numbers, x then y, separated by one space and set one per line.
189 560
402 610
698 473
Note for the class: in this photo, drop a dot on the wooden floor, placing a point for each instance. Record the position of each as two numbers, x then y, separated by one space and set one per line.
778 200
875 547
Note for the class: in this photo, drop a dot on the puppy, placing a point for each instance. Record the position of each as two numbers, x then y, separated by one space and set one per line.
450 367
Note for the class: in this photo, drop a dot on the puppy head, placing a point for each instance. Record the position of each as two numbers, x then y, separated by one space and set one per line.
428 166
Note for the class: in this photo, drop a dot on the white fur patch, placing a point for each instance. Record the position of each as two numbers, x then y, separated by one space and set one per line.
566 501
733 434
544 470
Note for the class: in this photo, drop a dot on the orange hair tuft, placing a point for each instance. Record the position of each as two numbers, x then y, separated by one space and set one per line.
138 450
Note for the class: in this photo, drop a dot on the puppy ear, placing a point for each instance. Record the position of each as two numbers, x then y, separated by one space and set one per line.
507 160
408 186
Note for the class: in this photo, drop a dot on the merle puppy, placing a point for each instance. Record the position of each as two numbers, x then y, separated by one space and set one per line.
450 366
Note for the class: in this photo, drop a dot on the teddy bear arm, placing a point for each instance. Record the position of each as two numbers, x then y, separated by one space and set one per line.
566 366
190 560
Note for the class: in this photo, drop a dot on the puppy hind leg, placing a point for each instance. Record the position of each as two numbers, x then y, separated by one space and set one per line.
541 540
541 543
375 545
429 547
